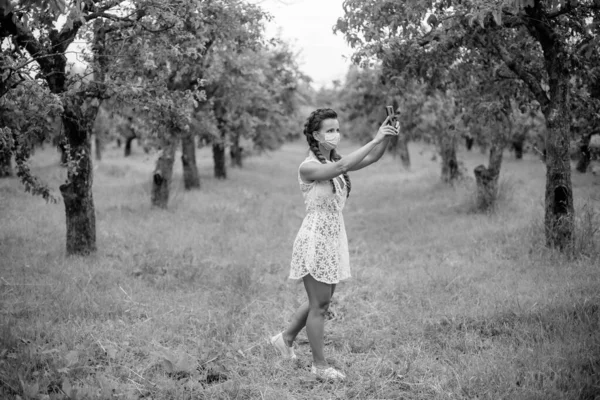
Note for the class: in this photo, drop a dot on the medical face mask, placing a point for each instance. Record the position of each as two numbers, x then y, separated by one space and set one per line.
330 140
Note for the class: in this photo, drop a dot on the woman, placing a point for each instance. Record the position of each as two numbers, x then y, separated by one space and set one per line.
320 254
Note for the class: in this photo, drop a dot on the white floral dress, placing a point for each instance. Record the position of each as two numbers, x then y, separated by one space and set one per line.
321 246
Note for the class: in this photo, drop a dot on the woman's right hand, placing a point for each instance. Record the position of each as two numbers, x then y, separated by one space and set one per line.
385 130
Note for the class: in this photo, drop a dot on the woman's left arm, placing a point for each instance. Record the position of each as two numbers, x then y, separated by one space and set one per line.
373 156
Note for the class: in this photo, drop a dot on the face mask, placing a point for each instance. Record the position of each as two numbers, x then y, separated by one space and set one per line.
331 140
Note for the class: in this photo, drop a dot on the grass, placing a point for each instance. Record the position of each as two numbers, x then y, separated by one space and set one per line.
177 304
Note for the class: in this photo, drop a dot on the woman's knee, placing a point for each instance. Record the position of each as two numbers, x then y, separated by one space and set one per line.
321 305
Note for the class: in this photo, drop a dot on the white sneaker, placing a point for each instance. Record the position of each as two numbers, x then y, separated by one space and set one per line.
285 350
329 373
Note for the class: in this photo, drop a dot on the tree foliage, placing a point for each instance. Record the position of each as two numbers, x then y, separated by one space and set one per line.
546 45
152 60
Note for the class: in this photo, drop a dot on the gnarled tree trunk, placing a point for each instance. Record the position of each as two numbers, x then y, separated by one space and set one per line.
191 179
163 174
487 178
450 170
469 140
128 141
559 213
235 152
559 216
518 143
218 148
77 190
218 144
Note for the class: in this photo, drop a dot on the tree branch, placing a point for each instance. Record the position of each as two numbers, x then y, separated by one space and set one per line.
157 30
527 77
25 39
565 9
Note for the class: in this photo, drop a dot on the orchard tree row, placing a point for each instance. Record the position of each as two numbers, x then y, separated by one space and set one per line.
487 71
182 71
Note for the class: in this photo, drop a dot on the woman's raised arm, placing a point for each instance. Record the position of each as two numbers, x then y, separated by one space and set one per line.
323 172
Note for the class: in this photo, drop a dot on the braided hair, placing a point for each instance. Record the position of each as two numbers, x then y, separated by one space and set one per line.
313 123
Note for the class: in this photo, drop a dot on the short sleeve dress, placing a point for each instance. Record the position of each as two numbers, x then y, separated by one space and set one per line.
321 245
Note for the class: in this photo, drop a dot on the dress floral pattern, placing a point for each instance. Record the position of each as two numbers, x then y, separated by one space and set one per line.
321 246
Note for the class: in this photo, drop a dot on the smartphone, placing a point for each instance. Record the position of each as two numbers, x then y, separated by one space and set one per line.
393 120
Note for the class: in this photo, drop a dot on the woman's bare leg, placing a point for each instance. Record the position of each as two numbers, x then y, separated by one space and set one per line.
298 321
319 297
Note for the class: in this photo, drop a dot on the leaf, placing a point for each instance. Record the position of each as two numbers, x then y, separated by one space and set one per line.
497 14
72 357
106 386
57 6
528 3
67 387
184 364
470 20
5 7
111 352
169 367
68 24
30 390
480 19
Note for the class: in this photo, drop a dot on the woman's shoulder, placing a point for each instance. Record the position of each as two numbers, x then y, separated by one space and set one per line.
310 158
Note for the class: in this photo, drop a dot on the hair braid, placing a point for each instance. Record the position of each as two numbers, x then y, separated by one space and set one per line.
336 157
313 123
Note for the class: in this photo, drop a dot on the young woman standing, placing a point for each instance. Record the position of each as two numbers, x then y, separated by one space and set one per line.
320 253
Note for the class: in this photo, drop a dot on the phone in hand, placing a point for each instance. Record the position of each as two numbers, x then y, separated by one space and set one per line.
393 119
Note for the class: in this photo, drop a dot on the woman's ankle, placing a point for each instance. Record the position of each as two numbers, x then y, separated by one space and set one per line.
288 339
321 364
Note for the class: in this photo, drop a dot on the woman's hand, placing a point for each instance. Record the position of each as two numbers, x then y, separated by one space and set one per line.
385 130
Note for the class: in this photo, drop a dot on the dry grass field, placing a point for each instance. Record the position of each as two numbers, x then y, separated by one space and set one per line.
444 303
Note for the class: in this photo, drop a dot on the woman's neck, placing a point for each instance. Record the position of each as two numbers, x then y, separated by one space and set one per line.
326 153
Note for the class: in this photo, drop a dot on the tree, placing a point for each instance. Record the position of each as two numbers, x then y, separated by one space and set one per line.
440 117
254 94
362 100
33 28
539 42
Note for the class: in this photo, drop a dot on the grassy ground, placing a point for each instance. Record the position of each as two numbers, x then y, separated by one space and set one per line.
177 304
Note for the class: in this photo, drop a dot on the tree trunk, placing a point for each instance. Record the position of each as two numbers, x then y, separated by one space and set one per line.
450 170
191 179
218 148
585 157
235 152
98 147
402 150
487 178
100 68
398 145
518 143
559 215
5 164
64 159
163 174
128 141
79 111
77 190
469 142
